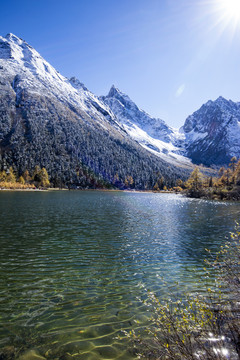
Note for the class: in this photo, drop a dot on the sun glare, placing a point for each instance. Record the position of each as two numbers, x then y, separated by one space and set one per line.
229 11
231 8
226 14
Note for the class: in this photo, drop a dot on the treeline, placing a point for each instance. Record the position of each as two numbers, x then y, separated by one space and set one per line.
81 178
39 178
224 187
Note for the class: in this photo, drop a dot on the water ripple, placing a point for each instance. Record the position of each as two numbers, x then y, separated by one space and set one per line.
72 262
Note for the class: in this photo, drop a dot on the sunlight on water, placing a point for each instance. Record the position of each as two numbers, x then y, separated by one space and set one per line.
72 264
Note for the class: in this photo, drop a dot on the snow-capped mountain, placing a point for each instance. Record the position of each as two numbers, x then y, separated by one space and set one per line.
152 133
55 122
210 136
32 73
212 133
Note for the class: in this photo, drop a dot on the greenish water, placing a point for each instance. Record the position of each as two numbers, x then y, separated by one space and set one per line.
72 262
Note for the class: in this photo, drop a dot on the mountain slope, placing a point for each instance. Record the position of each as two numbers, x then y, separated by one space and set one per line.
151 133
51 121
212 134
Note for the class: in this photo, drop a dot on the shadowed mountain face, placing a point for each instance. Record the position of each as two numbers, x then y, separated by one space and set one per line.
212 134
51 121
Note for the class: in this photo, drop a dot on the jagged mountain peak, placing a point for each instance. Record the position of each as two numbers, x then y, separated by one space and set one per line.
221 103
12 37
115 92
77 84
152 133
14 48
227 105
21 55
130 112
213 132
221 99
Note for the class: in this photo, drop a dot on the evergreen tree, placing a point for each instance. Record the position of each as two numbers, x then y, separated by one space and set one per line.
36 174
210 182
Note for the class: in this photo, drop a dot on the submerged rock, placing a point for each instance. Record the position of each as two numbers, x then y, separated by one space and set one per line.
31 355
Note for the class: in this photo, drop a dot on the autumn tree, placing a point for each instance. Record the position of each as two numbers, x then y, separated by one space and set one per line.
195 180
237 174
26 176
3 175
156 187
44 180
221 171
179 183
233 163
11 176
129 181
21 180
40 177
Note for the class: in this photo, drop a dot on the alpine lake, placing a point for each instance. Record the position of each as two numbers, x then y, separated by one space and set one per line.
73 265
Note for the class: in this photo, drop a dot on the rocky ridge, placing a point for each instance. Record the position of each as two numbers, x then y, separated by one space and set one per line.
210 136
151 133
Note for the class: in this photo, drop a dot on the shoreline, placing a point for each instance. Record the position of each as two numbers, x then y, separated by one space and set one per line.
105 190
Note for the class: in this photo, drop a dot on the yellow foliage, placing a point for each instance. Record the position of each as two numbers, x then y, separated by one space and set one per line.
15 185
11 176
21 180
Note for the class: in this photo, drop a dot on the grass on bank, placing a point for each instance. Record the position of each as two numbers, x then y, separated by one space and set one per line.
197 327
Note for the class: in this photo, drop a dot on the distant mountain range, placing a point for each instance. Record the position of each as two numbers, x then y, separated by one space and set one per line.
210 136
55 122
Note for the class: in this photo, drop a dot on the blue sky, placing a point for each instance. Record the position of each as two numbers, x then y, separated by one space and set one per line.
169 56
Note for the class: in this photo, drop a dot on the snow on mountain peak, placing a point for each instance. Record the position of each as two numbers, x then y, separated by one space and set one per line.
152 133
114 91
14 38
213 132
77 84
27 70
